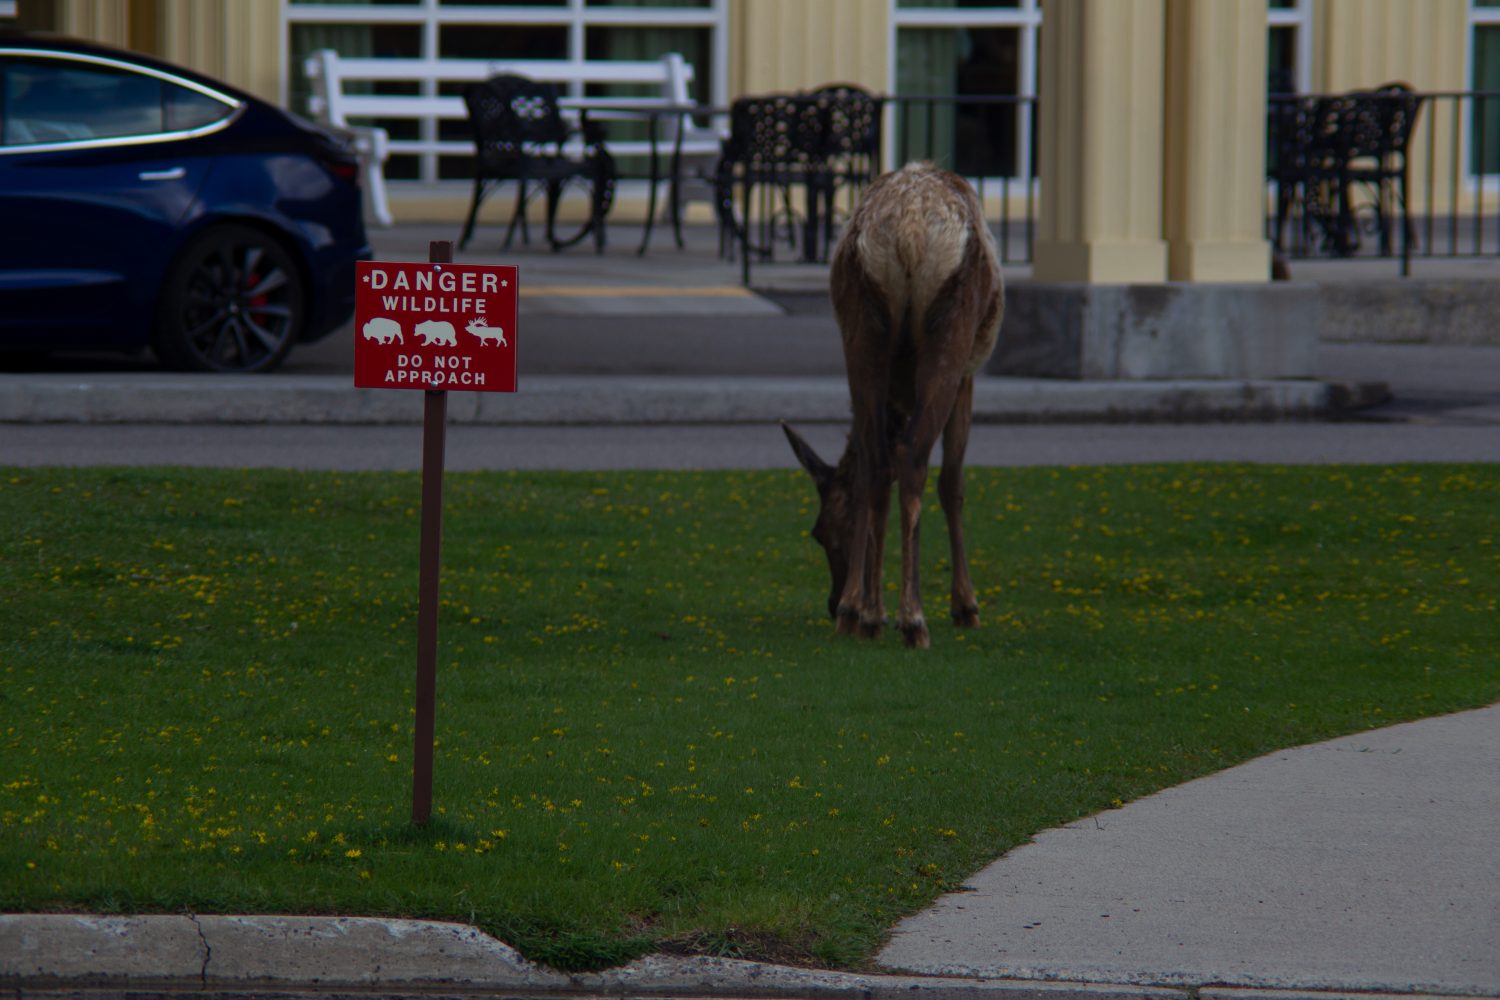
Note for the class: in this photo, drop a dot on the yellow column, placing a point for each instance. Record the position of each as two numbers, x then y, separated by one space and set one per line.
1214 192
1101 96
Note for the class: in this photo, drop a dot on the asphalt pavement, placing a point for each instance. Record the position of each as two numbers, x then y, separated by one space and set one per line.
663 360
1366 865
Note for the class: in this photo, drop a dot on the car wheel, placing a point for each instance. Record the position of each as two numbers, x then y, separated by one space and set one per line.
233 302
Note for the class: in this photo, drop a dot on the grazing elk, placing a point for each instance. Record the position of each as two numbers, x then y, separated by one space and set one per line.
918 294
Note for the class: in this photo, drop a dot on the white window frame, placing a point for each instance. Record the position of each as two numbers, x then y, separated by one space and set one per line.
575 15
1025 16
1487 17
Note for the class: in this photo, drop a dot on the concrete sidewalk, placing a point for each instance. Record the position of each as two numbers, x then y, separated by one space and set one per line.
1365 865
617 338
671 336
168 398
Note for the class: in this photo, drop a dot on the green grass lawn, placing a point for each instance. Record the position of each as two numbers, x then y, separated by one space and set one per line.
649 736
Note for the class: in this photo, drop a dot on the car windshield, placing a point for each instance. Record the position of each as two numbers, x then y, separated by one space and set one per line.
52 100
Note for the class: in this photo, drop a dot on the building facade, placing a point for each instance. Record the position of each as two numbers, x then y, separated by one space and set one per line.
1148 146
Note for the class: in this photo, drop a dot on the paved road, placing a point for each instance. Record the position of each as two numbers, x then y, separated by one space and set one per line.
1446 408
1446 404
728 446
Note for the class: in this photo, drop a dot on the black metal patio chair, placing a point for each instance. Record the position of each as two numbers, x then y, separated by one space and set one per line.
1321 147
849 148
1377 131
774 146
520 136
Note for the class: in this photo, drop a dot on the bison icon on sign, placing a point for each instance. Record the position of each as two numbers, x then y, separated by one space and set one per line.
384 331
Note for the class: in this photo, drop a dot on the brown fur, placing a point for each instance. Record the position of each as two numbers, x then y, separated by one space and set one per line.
918 293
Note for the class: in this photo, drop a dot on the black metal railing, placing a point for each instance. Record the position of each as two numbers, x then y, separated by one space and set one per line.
1384 173
1413 175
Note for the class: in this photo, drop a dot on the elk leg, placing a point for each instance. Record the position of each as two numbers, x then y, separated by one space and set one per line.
912 464
871 626
951 493
858 606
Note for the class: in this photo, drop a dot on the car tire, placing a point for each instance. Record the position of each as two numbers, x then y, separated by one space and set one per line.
233 301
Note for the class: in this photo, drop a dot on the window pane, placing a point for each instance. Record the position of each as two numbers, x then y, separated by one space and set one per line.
48 101
649 3
1485 120
187 109
508 41
507 3
975 138
928 4
653 43
646 44
353 41
1281 61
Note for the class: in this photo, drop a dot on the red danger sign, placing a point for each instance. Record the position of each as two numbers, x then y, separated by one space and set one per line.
435 326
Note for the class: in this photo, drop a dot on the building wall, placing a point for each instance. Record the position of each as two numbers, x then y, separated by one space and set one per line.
1365 43
797 45
237 41
105 21
778 45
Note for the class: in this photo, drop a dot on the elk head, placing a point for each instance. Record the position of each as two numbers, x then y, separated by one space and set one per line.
835 524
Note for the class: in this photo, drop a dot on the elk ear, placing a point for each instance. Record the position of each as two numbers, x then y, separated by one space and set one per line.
820 470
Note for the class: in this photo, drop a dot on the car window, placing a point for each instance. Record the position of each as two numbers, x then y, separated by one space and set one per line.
51 100
188 109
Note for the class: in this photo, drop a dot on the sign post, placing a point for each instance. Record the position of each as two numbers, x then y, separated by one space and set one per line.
431 302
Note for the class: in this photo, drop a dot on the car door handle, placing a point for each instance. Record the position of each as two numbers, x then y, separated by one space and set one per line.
175 174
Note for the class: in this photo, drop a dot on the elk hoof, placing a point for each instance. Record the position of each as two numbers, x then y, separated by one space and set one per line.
915 634
848 621
872 629
966 617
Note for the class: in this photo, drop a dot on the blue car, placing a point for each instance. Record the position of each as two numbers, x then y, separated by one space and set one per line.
144 205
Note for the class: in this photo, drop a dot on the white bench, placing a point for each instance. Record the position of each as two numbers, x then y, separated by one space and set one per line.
333 105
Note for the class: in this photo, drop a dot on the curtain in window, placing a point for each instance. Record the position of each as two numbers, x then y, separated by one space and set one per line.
1485 123
646 43
926 62
352 40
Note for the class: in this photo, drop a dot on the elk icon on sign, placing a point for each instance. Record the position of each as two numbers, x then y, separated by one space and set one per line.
486 333
386 331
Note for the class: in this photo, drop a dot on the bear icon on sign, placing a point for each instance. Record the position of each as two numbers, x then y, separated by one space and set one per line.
437 332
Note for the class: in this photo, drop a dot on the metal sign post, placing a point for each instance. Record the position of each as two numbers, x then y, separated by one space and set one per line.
429 561
430 303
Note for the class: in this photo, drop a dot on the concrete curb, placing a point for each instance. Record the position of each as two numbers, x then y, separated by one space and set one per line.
45 953
331 399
